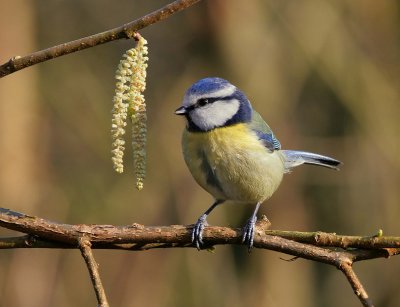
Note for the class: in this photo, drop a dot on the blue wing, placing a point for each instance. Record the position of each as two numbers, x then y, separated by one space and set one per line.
269 140
264 132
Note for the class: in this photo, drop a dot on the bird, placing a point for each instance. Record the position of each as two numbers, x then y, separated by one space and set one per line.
232 153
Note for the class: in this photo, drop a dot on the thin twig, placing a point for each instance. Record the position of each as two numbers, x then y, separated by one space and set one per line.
355 283
125 31
87 254
33 241
332 239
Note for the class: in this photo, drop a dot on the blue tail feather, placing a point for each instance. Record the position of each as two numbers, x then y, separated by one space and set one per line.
295 158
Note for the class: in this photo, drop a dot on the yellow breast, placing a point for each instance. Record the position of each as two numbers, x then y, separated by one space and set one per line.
232 164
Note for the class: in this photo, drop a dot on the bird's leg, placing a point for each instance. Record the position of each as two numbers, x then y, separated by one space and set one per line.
248 229
197 232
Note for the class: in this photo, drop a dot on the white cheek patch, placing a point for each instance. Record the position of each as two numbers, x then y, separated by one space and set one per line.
224 92
215 114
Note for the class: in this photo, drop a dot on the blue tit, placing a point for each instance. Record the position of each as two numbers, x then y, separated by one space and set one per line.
231 151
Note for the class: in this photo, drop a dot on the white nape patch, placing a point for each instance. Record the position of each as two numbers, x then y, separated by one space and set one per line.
215 114
228 90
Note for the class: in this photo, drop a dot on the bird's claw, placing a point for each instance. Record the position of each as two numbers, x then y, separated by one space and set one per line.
197 232
248 232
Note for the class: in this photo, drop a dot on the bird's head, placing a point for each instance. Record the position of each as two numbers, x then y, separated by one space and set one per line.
212 103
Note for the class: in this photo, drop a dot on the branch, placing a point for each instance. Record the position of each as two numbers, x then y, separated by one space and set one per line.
48 234
355 283
332 239
125 31
85 247
58 235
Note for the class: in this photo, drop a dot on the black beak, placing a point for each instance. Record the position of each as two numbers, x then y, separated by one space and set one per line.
181 111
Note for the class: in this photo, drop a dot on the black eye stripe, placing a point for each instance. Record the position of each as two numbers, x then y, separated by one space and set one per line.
204 101
209 100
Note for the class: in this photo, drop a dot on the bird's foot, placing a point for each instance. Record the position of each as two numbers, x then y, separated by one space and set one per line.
248 232
197 232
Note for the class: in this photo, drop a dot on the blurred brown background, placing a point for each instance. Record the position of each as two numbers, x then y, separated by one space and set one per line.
324 74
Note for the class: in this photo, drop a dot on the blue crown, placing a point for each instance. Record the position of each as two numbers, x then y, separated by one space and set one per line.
207 85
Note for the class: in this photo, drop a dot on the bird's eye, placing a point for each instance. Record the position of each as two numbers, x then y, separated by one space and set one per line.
202 102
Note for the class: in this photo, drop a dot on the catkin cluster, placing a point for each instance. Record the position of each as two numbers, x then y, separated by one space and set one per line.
129 102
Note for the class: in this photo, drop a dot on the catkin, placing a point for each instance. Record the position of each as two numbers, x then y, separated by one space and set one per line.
129 101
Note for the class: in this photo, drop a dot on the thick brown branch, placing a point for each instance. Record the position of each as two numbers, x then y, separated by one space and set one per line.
87 254
123 32
176 234
47 234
